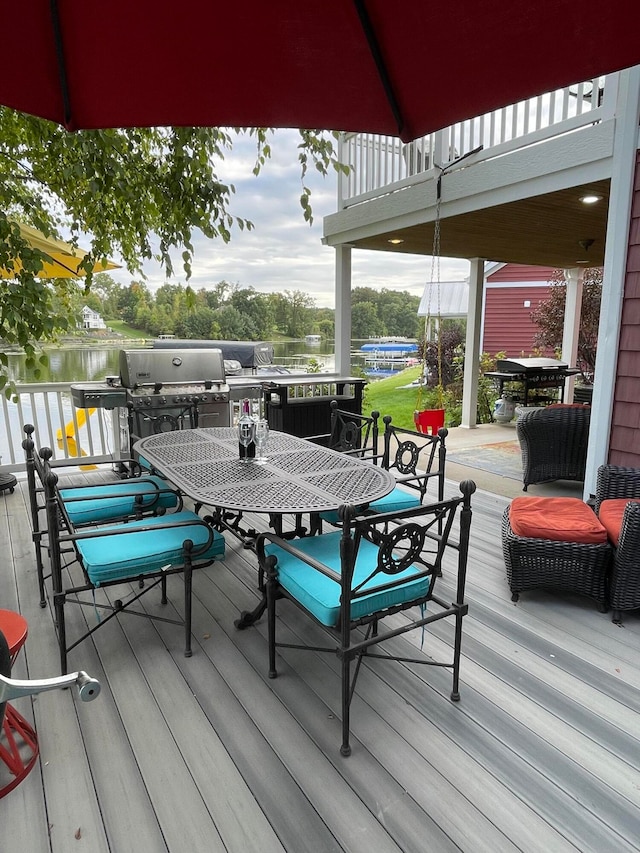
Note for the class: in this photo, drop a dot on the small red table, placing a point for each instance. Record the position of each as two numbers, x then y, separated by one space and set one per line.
19 743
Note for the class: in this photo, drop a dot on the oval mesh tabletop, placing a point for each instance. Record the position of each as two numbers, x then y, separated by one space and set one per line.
298 476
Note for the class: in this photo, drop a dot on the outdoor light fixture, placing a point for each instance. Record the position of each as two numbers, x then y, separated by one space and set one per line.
591 198
396 241
586 245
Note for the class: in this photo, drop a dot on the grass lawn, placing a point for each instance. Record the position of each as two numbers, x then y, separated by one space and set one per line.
389 397
127 331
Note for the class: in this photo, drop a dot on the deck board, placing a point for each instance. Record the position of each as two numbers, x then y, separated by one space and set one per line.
207 753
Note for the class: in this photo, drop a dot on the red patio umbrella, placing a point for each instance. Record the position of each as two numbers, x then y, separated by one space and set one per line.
405 67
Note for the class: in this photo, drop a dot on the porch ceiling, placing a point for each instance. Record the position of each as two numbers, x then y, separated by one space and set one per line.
545 230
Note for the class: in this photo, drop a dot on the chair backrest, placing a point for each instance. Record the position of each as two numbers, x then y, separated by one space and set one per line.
415 457
414 538
553 441
616 481
354 433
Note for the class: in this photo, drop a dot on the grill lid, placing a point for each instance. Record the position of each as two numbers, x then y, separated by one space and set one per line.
528 365
183 367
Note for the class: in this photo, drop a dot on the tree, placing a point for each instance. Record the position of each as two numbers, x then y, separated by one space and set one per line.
122 187
549 317
365 322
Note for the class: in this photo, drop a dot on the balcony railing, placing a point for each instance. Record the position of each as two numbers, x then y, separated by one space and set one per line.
384 164
90 436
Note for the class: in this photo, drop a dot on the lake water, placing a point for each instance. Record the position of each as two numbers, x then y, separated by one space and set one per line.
94 363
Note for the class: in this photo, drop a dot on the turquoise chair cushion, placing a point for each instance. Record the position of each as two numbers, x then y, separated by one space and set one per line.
395 501
321 596
116 500
128 555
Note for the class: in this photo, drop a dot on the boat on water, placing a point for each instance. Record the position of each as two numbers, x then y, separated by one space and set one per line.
388 357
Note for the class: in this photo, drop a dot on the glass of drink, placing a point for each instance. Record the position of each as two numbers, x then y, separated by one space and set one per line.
261 436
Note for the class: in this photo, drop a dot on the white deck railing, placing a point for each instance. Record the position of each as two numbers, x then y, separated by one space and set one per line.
97 436
384 164
71 433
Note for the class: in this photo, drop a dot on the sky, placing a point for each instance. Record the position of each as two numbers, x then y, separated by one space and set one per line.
283 252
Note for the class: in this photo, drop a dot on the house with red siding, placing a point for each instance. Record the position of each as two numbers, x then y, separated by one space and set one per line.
551 182
511 293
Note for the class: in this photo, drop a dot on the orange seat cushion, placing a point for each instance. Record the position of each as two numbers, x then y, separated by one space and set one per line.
610 514
559 519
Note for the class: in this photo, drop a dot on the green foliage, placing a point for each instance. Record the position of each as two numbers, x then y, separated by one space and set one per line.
549 317
384 312
389 397
139 193
121 328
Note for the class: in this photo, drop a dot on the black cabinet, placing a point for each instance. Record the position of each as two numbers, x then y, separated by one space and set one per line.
303 408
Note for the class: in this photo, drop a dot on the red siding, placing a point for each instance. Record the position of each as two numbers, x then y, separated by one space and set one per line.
624 445
507 323
521 272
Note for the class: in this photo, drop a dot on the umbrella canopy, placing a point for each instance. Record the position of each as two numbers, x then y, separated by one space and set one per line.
64 259
403 68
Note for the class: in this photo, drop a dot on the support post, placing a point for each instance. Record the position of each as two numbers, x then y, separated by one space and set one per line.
343 310
472 345
572 310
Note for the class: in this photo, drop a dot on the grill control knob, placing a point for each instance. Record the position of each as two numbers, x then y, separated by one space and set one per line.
203 399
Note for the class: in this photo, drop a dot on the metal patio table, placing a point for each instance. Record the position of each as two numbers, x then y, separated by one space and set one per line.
298 477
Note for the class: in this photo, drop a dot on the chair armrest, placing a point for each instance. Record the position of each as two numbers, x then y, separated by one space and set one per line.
286 545
133 528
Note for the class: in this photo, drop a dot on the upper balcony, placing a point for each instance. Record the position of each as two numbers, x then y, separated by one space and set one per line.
510 188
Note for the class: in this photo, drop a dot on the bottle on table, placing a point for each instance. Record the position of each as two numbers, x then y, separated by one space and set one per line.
246 432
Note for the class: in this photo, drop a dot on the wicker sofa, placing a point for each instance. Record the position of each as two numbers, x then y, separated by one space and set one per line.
553 442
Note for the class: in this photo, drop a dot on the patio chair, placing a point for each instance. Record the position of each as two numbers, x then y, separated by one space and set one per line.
354 433
142 551
136 497
18 740
617 504
411 457
416 459
372 568
553 442
351 432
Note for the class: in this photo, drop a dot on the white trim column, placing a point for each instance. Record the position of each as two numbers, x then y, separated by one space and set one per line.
574 278
343 310
625 146
472 345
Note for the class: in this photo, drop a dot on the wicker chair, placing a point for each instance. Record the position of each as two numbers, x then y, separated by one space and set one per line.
616 482
553 442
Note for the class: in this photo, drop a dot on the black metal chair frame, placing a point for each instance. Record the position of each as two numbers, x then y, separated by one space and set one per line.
413 537
411 455
35 474
63 540
616 482
355 434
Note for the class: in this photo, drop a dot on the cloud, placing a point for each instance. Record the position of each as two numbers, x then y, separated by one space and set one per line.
283 252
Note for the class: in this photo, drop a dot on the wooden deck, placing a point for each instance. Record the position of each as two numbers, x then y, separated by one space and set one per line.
207 754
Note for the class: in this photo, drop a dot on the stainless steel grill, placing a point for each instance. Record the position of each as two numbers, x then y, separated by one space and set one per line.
174 389
531 374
